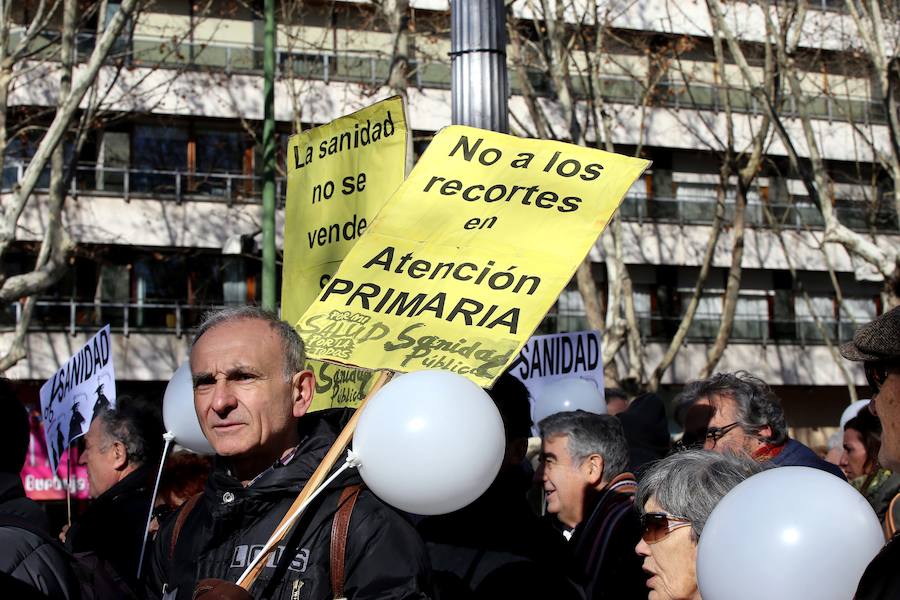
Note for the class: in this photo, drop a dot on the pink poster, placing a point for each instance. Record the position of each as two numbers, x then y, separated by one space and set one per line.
37 476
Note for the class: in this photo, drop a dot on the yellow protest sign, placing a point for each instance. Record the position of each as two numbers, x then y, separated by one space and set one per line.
463 262
339 176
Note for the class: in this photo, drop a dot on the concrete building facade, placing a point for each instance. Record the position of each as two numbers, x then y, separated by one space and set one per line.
165 200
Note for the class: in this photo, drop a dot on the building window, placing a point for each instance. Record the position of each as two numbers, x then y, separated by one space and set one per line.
158 155
571 315
751 317
818 306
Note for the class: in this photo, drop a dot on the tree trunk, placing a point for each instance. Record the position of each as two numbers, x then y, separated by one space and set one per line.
396 12
51 260
815 182
68 107
708 254
732 288
593 302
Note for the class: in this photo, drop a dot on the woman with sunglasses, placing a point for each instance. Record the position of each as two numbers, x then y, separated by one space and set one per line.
859 461
675 498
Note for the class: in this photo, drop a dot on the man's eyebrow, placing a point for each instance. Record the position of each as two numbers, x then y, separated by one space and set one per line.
232 373
238 370
202 378
546 455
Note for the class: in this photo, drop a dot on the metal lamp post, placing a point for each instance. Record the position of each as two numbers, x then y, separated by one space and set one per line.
479 82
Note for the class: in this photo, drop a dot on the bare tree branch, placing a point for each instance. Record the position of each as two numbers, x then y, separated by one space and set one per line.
61 121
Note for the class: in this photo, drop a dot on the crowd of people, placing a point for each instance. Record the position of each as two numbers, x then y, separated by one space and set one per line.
619 516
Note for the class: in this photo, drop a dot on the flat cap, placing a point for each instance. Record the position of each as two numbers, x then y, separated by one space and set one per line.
876 341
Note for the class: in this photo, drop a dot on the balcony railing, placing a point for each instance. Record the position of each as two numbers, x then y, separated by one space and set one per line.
703 329
143 183
687 210
246 189
178 318
373 69
74 317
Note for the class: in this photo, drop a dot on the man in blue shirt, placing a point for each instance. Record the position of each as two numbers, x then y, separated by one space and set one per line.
745 417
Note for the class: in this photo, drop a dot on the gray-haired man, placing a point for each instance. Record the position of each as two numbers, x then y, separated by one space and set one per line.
121 451
252 393
745 417
584 461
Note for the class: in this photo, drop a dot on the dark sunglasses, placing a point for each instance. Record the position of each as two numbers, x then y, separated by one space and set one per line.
714 434
876 375
657 525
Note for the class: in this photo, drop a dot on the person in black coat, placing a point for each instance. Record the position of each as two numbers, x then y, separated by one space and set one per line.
121 450
496 547
646 430
877 346
252 393
34 564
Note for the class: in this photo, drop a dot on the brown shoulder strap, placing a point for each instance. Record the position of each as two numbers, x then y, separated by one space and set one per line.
890 523
339 528
180 519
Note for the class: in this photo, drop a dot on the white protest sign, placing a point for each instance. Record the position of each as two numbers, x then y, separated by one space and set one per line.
548 358
81 387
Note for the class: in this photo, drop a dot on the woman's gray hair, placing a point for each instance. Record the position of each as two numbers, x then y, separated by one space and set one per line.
588 434
755 403
690 484
291 342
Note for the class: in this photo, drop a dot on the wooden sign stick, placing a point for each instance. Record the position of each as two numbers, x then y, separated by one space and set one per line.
334 453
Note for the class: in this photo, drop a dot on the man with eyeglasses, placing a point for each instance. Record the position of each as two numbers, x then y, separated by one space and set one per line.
745 417
877 346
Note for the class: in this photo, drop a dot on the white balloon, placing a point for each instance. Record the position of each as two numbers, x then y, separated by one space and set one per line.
852 410
429 442
179 415
788 533
567 395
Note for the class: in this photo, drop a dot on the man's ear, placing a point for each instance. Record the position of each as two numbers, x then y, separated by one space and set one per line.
119 455
592 468
303 388
764 432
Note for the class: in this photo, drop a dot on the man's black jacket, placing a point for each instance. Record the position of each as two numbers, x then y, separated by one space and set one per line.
881 579
385 558
36 564
113 525
496 547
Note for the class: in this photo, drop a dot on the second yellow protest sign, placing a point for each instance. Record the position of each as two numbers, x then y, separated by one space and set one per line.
339 176
464 261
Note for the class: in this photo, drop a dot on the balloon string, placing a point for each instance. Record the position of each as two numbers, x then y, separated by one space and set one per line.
168 437
69 485
351 462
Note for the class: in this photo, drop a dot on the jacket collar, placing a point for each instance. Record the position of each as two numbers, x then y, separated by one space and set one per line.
318 432
136 481
11 487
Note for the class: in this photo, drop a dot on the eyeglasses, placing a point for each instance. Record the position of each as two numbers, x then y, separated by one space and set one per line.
655 526
876 375
714 434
